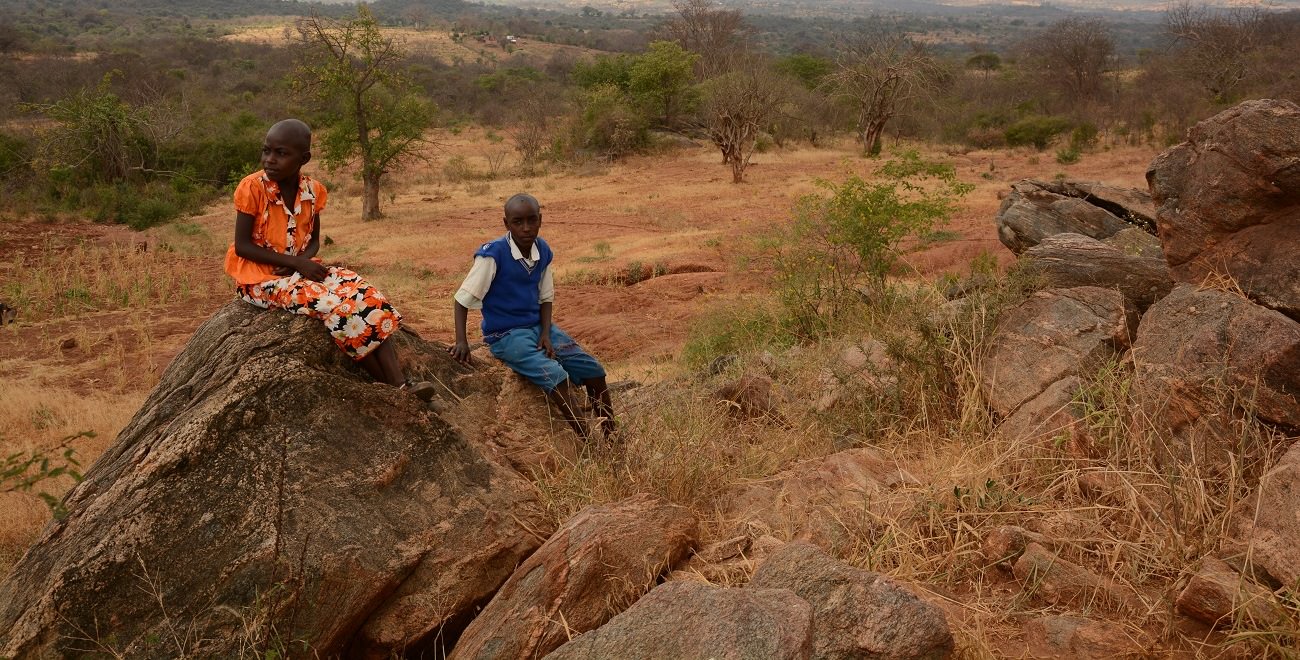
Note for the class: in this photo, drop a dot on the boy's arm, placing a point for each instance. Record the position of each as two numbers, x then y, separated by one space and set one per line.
247 249
460 350
544 331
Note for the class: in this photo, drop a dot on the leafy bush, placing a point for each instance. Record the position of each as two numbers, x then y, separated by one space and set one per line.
1083 136
852 238
609 124
1068 156
1037 130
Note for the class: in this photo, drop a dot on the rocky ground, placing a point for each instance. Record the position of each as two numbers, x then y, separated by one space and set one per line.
1126 393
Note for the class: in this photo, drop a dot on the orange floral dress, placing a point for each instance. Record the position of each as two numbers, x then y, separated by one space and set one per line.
357 316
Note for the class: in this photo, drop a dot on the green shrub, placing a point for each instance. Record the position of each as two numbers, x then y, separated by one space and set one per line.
1083 136
610 125
1037 130
851 239
1068 156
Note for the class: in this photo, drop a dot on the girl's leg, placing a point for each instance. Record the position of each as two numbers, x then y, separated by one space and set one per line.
383 365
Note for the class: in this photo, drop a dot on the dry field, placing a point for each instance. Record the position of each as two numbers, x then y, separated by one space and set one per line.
103 309
434 41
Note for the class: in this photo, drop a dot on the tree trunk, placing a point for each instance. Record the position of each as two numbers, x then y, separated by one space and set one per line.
871 136
370 197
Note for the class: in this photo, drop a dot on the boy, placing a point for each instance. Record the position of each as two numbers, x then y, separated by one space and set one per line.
511 282
274 265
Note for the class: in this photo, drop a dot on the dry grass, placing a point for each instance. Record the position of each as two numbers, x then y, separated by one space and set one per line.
1144 530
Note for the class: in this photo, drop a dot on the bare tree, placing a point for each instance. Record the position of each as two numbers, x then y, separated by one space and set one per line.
716 34
737 105
1073 53
879 74
1214 46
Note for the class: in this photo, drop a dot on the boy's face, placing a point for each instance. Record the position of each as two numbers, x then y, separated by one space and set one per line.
283 156
523 221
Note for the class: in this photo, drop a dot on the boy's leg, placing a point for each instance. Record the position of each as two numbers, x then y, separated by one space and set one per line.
518 349
582 367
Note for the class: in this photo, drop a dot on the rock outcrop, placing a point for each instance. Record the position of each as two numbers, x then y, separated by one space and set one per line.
266 479
1071 260
1271 526
596 564
1229 202
693 620
1205 357
1037 209
1042 347
1077 638
856 613
1217 595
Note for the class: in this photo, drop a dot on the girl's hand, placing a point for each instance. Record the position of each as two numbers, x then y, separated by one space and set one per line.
313 270
283 271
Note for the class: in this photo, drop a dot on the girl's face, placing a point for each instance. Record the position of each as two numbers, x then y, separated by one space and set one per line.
282 159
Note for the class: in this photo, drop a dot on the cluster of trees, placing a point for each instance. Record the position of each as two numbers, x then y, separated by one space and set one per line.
152 124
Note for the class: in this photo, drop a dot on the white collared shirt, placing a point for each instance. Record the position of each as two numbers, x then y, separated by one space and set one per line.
479 280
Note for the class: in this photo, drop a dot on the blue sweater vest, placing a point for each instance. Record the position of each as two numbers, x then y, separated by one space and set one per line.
512 300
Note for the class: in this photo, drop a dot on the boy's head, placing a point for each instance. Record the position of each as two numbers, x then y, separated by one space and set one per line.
286 148
523 220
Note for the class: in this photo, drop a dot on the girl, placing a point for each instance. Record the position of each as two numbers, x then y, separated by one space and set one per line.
273 259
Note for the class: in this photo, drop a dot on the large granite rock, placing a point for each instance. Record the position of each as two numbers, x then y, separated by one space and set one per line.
856 613
1041 349
692 620
1070 260
598 562
1035 210
1206 357
1229 202
267 488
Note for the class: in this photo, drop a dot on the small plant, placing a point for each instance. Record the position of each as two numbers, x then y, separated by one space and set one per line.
603 249
1036 130
20 472
1068 156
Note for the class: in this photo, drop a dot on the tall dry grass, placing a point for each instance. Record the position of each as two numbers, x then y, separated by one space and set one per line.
1104 489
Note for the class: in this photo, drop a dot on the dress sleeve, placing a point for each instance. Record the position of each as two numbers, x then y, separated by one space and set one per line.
322 194
248 196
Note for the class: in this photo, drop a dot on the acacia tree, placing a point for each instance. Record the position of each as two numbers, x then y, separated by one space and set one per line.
376 117
737 105
878 74
1073 53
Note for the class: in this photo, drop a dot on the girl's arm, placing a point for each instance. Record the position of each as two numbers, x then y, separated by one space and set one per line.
247 249
313 244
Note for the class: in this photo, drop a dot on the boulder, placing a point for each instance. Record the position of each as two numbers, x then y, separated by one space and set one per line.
813 500
267 486
1219 596
751 397
856 613
1077 638
1004 545
1070 260
597 563
1271 526
1037 209
1205 356
1053 336
1055 580
1229 202
693 620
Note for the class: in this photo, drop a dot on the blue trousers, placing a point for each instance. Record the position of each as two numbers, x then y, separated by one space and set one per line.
518 349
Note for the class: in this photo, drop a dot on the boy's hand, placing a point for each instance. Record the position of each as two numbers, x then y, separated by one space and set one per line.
313 270
544 343
460 352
